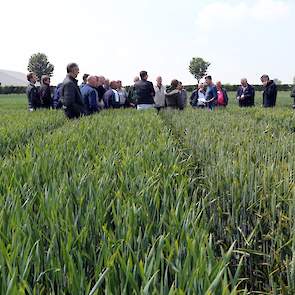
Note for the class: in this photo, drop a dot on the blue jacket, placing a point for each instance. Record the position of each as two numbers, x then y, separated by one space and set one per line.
249 95
90 99
211 92
57 104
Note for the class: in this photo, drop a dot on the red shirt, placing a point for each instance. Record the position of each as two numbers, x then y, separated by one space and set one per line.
220 98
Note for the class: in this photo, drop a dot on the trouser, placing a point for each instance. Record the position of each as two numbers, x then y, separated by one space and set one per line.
158 108
71 114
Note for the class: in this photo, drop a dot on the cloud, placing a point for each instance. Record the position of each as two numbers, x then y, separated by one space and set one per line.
227 15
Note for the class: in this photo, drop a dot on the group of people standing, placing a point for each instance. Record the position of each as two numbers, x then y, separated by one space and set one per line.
39 98
96 93
209 95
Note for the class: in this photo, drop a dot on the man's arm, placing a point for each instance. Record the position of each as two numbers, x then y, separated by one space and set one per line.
238 96
153 93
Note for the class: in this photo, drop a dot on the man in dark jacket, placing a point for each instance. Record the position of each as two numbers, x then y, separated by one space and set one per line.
71 94
293 95
90 97
270 92
111 97
45 92
100 87
246 94
32 93
145 92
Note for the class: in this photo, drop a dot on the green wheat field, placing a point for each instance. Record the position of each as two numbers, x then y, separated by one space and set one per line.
129 202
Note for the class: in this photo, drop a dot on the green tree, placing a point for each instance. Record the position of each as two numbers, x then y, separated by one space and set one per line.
39 64
198 68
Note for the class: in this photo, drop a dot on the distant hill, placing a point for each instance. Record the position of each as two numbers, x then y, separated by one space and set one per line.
11 78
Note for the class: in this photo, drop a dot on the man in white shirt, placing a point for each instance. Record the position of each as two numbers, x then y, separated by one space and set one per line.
160 92
122 93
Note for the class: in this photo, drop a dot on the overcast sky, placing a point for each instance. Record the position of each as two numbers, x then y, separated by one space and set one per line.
117 39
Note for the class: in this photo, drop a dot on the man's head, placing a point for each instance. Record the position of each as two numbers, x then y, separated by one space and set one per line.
201 86
136 79
45 80
101 80
85 76
159 81
32 78
73 70
208 80
244 82
143 75
92 81
113 84
264 79
119 84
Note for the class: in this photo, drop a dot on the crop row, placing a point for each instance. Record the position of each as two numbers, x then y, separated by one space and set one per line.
245 170
105 205
18 128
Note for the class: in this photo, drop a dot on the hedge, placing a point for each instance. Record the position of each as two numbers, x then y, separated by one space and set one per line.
18 89
12 89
